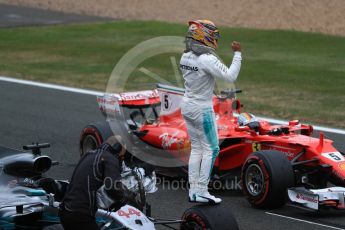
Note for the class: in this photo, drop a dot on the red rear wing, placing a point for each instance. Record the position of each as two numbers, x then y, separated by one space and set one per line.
131 98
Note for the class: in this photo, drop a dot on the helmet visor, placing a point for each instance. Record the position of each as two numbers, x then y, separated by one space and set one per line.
216 35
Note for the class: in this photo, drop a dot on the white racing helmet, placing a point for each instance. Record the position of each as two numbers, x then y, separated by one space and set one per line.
248 119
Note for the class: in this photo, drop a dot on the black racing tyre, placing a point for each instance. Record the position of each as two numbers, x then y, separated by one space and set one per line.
213 217
266 176
93 135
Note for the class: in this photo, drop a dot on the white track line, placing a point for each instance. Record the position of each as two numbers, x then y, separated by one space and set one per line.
51 86
304 221
98 93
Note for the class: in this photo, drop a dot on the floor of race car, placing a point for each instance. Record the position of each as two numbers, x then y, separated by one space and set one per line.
30 113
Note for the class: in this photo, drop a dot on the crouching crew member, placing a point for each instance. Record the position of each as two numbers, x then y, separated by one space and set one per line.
95 169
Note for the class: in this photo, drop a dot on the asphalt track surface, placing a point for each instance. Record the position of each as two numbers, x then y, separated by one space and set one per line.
12 16
33 114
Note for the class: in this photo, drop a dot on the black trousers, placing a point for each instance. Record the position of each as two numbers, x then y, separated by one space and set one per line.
75 220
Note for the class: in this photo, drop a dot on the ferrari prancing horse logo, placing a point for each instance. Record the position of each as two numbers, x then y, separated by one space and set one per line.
256 146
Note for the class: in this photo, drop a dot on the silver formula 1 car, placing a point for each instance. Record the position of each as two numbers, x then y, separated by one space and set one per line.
28 200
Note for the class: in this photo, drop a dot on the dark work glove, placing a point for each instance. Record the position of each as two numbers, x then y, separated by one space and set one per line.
129 198
149 169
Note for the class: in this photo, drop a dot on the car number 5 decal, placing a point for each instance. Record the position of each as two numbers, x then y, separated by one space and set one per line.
166 101
334 156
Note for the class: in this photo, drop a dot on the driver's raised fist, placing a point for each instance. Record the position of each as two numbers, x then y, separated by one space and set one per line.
236 46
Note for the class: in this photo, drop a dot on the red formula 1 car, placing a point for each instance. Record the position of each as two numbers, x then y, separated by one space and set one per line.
272 160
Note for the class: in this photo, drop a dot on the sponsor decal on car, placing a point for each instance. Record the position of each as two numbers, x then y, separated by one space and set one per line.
289 152
138 95
305 197
167 140
109 105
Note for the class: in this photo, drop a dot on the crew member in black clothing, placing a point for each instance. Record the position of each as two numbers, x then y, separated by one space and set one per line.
96 168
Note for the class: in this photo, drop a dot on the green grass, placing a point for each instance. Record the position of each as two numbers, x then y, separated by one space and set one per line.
285 74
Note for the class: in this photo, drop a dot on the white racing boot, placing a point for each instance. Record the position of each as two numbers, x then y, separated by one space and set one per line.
210 199
204 197
193 194
195 198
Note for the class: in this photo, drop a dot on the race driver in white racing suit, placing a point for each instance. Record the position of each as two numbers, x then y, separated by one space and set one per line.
201 67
